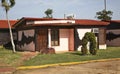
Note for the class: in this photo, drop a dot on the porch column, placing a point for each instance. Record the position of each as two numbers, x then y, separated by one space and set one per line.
49 38
102 38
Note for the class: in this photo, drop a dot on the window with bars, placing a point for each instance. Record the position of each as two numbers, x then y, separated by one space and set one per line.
55 37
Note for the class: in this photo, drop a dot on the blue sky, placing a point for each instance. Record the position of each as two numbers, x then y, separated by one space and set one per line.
82 9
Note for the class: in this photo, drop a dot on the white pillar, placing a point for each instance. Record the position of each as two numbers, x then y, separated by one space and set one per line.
49 38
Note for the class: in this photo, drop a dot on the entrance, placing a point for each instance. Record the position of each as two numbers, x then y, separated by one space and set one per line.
41 39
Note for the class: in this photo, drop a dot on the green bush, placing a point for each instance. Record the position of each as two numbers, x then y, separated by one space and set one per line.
89 37
84 46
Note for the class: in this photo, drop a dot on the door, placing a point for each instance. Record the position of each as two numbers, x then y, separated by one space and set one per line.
41 40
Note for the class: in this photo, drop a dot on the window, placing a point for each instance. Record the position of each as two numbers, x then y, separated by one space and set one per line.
95 30
54 37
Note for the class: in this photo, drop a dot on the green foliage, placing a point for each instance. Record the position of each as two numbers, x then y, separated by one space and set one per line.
89 37
48 13
7 4
84 50
104 15
84 46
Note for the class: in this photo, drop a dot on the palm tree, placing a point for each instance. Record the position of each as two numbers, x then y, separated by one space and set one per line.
7 4
48 13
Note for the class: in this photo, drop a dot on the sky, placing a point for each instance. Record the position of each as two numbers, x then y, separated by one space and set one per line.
82 9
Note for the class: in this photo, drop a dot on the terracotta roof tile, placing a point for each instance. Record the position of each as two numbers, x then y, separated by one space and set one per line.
116 21
77 21
82 22
90 22
4 24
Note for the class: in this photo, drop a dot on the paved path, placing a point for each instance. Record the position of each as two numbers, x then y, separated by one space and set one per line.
108 67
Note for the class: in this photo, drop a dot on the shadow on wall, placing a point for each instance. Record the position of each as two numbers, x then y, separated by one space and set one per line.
26 40
9 45
111 36
78 42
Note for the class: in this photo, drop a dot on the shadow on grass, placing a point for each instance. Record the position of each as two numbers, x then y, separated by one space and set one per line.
76 53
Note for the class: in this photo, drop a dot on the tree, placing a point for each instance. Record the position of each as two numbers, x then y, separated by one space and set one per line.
48 13
7 4
104 15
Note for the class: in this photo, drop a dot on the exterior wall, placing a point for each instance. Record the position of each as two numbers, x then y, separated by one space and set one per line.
64 41
81 32
113 37
5 37
26 40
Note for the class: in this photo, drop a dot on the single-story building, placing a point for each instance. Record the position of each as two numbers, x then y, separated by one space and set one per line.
113 33
36 34
4 31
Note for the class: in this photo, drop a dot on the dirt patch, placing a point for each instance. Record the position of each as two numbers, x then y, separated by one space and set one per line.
7 70
25 56
109 67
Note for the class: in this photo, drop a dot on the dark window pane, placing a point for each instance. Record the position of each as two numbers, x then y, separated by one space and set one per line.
54 37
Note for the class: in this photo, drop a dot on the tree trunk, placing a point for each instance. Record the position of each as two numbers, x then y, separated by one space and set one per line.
11 34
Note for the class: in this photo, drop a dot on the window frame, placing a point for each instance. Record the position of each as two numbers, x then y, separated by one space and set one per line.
55 37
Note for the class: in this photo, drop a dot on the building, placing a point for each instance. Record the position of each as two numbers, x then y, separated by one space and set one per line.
113 33
4 31
36 34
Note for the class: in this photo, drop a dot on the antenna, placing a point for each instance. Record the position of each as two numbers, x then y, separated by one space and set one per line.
105 4
64 16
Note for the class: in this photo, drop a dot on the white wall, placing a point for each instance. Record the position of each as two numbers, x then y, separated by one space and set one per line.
31 45
64 40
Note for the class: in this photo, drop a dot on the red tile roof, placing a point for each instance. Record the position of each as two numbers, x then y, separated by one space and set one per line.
82 22
90 22
116 21
4 24
77 21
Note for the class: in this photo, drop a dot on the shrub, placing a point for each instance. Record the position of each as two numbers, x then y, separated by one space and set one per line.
89 37
84 46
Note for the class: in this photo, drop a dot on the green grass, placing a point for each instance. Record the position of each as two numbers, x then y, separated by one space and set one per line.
111 52
8 58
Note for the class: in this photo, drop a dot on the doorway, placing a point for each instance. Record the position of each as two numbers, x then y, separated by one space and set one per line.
41 39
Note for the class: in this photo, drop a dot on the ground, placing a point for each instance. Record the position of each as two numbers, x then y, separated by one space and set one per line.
9 69
108 67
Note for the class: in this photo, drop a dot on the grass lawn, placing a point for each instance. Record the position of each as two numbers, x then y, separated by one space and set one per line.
111 52
8 58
